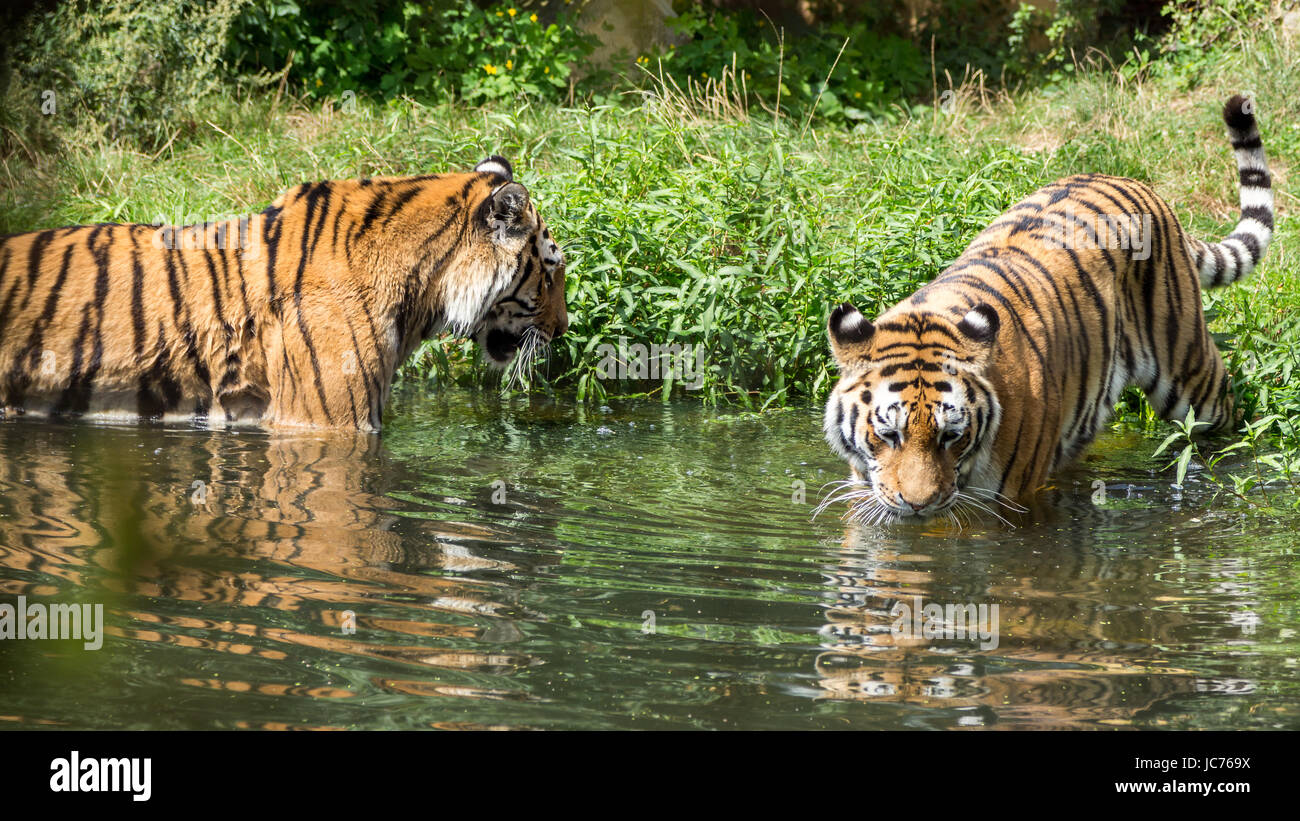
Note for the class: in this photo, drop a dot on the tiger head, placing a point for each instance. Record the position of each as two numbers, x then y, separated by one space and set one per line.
913 413
524 307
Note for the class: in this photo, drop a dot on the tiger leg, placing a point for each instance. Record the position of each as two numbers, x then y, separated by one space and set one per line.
1173 356
1201 383
324 369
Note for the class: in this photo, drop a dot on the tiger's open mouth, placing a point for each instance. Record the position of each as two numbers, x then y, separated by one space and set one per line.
501 345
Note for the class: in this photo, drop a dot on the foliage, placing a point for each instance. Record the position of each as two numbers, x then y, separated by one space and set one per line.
1201 24
844 72
439 50
1047 41
133 69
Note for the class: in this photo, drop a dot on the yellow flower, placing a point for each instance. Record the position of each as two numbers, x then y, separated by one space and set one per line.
546 70
499 14
509 65
512 12
533 17
490 69
857 94
319 83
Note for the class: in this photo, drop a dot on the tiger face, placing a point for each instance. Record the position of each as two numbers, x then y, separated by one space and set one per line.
530 310
913 412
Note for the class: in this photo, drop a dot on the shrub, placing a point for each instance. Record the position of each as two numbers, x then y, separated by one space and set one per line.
440 50
132 69
845 72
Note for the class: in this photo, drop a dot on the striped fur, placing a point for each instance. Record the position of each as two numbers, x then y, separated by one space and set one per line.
294 317
969 393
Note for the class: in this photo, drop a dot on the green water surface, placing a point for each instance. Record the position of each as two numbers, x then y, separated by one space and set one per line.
528 563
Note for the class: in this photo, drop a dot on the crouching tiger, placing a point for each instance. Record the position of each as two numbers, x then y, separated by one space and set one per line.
295 317
1004 367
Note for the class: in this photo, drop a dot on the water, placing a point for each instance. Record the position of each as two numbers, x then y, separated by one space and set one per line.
530 564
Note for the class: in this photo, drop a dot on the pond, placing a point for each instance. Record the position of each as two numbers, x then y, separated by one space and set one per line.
531 563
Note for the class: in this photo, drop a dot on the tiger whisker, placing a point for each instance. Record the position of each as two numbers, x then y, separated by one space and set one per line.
1002 499
519 375
975 503
846 497
852 490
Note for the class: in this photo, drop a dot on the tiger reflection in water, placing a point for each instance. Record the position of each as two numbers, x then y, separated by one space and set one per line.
1061 660
297 525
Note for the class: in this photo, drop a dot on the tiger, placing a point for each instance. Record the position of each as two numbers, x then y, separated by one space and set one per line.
294 317
970 393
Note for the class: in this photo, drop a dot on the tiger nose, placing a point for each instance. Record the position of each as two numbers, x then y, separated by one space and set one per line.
921 505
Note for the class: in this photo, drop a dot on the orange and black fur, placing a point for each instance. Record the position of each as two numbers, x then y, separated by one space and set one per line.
294 317
969 393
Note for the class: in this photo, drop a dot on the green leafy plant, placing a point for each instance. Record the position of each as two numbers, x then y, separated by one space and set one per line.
1185 433
841 73
435 50
131 70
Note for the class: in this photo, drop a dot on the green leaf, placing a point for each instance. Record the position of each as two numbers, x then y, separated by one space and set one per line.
1184 459
1169 440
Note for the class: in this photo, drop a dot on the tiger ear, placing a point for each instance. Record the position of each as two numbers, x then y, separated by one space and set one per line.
498 165
849 332
980 324
507 211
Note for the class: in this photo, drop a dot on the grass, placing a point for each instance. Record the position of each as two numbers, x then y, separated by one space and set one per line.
694 216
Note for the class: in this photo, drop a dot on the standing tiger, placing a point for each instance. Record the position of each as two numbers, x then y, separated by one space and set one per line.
295 317
1004 367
